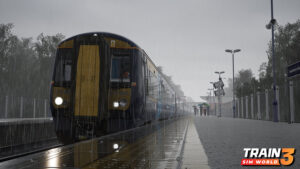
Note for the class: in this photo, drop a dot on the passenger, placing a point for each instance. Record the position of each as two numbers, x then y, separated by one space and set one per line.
125 75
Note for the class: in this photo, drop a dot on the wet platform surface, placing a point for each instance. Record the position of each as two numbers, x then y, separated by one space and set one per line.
158 145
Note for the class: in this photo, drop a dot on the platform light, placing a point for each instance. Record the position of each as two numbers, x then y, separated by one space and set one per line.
58 101
116 146
233 85
116 104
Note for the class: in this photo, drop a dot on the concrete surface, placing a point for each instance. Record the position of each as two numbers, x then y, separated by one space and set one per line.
224 139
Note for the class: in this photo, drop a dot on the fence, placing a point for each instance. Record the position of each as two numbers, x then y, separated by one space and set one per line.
23 107
259 105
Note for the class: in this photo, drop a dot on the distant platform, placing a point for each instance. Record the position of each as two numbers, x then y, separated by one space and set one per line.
25 120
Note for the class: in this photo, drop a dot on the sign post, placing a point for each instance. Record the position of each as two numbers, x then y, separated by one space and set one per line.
219 92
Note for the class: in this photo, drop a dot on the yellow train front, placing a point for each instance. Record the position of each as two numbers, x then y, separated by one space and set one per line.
104 83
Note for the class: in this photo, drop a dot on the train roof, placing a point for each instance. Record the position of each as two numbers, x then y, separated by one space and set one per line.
105 34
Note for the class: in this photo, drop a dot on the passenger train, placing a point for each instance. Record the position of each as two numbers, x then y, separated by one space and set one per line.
104 83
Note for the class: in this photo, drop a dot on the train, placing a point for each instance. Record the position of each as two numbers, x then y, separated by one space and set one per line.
104 83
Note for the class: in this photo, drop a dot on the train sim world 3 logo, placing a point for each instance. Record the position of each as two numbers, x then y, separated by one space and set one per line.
268 156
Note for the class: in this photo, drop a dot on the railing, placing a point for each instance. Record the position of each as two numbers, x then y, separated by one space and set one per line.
23 107
259 105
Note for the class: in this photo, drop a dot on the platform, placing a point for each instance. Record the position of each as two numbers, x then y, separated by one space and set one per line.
20 135
7 121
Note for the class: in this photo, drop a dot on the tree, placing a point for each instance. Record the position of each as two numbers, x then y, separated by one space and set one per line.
45 48
245 83
26 66
287 49
7 44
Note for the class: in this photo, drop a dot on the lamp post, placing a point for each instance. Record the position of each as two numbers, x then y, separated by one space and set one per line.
210 98
219 96
233 94
270 25
221 72
215 107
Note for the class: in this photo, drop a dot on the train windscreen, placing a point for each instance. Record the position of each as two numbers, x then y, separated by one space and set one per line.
63 66
120 69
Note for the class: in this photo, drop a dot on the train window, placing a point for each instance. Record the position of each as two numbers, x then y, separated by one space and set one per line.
64 66
120 69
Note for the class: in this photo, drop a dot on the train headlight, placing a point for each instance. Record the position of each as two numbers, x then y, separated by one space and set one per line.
115 146
58 101
123 102
116 104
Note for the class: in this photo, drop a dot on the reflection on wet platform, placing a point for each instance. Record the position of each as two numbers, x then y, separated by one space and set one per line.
156 145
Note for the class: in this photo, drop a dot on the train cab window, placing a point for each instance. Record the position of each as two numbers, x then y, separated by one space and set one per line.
63 66
120 69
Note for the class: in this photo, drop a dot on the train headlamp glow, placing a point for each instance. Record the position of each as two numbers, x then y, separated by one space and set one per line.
58 101
116 104
123 102
116 146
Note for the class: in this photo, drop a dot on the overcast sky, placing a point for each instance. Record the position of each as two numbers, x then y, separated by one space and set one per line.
187 38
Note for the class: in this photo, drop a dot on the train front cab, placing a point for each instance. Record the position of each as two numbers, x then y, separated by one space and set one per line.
98 86
79 88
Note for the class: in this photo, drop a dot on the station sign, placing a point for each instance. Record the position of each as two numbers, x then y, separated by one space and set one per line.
220 92
294 69
218 84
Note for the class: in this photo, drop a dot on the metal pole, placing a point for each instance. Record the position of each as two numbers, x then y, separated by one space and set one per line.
267 104
45 108
246 104
242 107
238 106
34 108
252 106
215 103
287 91
219 99
258 105
292 103
209 102
275 117
220 104
211 98
21 107
278 103
215 106
6 106
233 107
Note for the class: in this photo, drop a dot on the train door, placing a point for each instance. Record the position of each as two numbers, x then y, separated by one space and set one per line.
87 81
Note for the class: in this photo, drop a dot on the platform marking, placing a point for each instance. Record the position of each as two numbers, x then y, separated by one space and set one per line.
194 155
